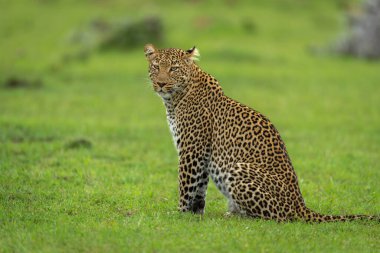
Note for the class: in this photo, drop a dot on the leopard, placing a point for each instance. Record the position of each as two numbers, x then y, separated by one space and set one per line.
219 138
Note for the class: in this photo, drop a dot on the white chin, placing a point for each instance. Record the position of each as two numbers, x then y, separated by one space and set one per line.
164 94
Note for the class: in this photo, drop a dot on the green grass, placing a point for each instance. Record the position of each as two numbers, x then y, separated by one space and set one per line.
120 194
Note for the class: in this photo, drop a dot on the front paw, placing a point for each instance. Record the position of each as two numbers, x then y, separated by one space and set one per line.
197 206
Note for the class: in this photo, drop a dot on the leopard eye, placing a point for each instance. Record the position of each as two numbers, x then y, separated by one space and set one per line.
155 66
173 69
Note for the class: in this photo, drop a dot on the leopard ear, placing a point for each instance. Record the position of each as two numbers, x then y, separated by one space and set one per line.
193 54
150 51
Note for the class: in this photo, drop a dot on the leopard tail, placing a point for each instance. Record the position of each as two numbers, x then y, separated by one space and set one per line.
310 216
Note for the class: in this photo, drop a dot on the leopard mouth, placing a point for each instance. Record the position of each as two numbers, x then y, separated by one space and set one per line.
166 88
162 90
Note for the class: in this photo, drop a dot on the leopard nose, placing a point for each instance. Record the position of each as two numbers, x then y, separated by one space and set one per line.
161 84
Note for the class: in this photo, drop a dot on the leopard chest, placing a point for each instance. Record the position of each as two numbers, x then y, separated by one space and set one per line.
173 129
183 130
187 122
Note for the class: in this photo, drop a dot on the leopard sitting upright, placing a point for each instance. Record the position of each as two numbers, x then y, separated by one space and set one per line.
238 147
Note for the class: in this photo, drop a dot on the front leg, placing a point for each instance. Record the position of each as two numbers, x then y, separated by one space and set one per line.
193 180
198 203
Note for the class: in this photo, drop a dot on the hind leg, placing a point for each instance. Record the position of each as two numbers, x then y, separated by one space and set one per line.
234 209
258 193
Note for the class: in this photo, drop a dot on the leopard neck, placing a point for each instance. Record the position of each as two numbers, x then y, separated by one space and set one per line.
172 101
205 84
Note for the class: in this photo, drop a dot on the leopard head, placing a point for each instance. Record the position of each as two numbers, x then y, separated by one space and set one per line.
170 69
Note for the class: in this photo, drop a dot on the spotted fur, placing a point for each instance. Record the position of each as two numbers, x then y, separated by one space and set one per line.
217 137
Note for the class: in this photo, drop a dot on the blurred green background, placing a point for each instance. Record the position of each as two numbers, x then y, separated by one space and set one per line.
87 163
